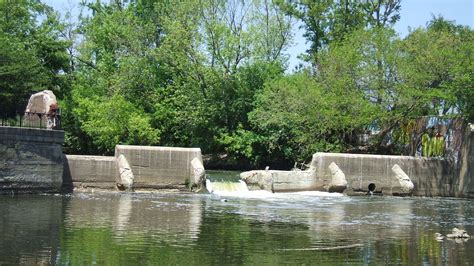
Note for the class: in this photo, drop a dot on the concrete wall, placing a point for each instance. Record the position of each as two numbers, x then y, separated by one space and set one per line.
431 177
287 181
152 167
31 160
159 167
464 183
83 171
281 181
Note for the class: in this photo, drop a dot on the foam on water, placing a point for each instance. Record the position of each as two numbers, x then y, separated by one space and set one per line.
240 190
216 187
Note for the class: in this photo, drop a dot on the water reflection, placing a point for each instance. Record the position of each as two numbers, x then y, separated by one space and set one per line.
29 229
112 228
170 215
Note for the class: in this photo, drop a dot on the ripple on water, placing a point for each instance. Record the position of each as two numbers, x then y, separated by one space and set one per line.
295 228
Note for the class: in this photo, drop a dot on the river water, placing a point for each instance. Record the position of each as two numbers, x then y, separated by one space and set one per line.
256 228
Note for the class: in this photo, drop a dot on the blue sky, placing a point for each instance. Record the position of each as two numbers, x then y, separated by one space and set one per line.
414 13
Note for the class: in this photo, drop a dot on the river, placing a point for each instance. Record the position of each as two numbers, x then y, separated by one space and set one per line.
201 229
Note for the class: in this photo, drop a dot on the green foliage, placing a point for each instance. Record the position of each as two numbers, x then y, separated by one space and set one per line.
32 55
212 74
295 118
331 21
432 146
115 121
438 67
242 144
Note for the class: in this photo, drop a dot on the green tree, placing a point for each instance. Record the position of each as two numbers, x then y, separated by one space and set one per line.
32 55
294 117
331 21
192 67
438 65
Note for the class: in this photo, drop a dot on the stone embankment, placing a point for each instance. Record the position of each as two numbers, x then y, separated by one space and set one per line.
31 160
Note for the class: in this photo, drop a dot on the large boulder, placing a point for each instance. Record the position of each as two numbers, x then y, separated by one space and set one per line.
40 102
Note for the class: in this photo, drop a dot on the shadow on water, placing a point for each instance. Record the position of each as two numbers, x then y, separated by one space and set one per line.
133 228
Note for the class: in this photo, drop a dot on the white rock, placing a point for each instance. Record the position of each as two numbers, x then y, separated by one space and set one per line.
406 185
338 179
126 174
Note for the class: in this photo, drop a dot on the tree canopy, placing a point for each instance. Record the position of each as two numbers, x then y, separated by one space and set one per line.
213 74
32 55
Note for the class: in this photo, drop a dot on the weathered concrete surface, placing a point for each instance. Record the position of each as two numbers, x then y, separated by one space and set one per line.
152 167
338 181
464 183
258 180
296 180
31 160
125 173
85 171
160 167
431 177
392 175
281 181
197 171
406 186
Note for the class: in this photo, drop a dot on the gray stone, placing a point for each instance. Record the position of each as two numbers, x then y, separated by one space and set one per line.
85 171
295 180
281 181
429 176
40 102
152 168
463 184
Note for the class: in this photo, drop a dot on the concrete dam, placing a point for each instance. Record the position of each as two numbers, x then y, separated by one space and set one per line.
148 167
31 160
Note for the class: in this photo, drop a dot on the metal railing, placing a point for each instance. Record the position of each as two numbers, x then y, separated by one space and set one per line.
31 120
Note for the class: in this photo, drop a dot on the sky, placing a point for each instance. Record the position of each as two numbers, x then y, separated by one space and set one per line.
414 14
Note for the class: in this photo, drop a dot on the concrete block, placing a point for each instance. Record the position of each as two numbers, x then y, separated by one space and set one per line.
154 166
427 174
89 170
